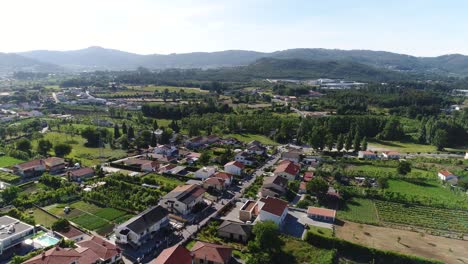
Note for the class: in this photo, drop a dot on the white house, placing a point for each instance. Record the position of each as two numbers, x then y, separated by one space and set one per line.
321 214
245 158
167 150
227 178
256 149
205 172
234 167
446 175
13 232
366 155
142 227
287 169
273 209
183 198
391 155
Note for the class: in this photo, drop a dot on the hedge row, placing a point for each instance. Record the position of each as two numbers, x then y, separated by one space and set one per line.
363 253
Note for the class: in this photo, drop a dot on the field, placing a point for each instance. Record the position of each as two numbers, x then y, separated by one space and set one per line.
298 251
8 177
407 242
90 216
359 210
88 156
429 189
6 161
249 137
430 217
42 218
377 171
163 180
171 89
406 147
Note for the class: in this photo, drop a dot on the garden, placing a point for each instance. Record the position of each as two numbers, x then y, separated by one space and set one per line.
359 210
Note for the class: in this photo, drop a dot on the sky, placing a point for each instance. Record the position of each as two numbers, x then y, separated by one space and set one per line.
415 27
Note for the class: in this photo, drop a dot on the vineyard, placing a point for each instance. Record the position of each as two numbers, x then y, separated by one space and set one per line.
436 218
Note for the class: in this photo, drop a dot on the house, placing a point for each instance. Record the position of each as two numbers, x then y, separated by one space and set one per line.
256 149
275 186
142 164
54 165
364 154
13 232
234 167
391 155
161 158
225 176
166 150
230 141
273 209
31 168
321 214
254 143
195 142
214 183
95 250
74 234
302 187
244 158
248 211
294 156
235 231
308 176
174 255
80 174
211 139
207 253
287 169
205 172
140 228
447 176
183 198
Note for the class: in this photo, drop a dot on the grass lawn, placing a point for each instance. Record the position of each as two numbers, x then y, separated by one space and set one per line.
43 218
321 231
163 180
249 137
7 161
378 171
360 211
298 251
429 189
402 147
88 156
89 221
110 213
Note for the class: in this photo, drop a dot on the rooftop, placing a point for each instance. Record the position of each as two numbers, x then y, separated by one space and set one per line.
185 193
10 227
321 211
146 219
274 205
174 255
212 252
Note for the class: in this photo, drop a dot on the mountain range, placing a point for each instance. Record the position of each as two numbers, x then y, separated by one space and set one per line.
98 58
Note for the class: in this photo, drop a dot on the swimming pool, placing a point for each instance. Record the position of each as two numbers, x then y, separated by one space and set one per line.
46 240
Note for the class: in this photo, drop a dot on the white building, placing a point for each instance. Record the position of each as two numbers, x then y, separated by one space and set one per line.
446 175
234 167
142 227
245 158
13 232
273 209
182 199
205 172
391 155
367 155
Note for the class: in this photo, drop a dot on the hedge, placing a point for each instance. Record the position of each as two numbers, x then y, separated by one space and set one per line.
363 253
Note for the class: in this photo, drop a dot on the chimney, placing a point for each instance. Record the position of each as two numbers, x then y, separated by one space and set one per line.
43 255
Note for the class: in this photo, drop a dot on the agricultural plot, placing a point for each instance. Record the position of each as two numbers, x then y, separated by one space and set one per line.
90 216
359 210
171 89
8 177
249 137
7 161
378 171
430 217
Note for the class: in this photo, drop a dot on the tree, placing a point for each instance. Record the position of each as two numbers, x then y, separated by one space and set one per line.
357 142
62 149
130 132
165 136
317 186
9 194
61 225
204 158
124 128
382 182
266 238
155 124
348 141
23 144
340 142
154 141
404 167
329 141
440 139
116 131
422 134
44 146
364 143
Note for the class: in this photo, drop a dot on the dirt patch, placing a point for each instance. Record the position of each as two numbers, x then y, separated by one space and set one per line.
407 242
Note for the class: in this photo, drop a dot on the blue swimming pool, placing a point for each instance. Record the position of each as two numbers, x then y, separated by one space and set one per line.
46 240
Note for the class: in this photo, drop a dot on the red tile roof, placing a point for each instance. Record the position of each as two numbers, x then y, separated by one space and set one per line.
274 205
173 255
215 181
71 233
54 161
391 153
104 249
321 211
30 164
212 252
446 173
288 167
81 172
222 175
309 175
55 256
236 163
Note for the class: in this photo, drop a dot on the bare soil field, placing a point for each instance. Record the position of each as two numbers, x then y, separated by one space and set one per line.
407 242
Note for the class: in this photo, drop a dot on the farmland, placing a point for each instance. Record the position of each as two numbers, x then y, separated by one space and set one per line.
90 216
430 217
8 177
249 137
171 89
388 171
6 161
359 210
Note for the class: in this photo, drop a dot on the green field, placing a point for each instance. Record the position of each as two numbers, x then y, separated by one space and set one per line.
90 216
171 89
407 147
42 218
163 180
7 161
249 137
8 177
378 171
431 217
428 190
88 156
321 231
298 251
359 210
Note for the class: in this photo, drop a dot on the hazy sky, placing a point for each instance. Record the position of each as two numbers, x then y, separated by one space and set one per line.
417 27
